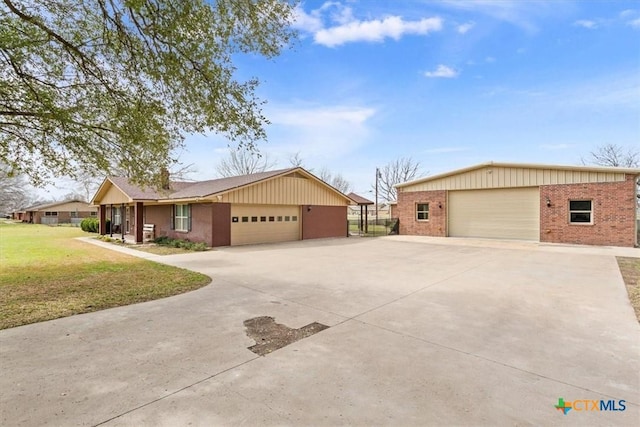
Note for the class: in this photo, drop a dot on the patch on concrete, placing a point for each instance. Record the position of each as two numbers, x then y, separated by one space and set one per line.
270 336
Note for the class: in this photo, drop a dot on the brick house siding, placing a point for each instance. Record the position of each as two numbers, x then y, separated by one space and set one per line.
406 212
613 213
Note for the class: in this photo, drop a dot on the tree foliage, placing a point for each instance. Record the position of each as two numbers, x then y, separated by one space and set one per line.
243 162
396 172
99 85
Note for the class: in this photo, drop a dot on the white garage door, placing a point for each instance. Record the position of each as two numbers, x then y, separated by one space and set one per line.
252 224
511 213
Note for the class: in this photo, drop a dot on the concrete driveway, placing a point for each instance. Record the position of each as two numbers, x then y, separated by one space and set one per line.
422 332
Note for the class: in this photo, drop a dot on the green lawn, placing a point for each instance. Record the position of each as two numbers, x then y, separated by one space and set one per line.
45 274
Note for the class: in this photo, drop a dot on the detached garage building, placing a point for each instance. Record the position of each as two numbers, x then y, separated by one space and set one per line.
275 206
562 204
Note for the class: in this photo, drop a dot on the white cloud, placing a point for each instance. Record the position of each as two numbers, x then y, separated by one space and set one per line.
442 71
523 14
375 30
462 29
333 24
319 133
490 59
585 23
634 24
627 13
305 21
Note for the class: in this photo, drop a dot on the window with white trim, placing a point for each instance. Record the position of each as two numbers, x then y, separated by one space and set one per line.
422 211
51 214
182 218
580 212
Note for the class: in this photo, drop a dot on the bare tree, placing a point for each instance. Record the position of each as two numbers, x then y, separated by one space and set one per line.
396 172
296 161
613 155
616 155
335 180
243 162
13 191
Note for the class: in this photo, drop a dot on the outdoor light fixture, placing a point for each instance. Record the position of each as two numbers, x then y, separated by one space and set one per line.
308 208
548 201
440 205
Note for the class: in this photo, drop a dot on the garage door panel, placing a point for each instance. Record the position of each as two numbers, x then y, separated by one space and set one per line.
510 213
272 224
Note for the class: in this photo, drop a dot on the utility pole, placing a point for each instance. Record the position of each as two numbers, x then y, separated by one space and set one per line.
377 176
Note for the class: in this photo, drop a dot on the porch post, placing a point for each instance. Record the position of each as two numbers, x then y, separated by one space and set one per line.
361 222
111 224
103 219
139 222
366 219
122 220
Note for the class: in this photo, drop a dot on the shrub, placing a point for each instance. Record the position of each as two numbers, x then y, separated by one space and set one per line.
179 243
90 225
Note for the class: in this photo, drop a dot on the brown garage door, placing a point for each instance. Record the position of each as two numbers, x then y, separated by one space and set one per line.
506 213
252 224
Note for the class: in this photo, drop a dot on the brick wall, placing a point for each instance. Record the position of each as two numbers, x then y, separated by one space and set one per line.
613 211
406 212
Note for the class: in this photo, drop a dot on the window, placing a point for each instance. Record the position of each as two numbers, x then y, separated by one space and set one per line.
234 219
245 219
422 211
287 218
117 217
294 218
263 219
271 219
51 214
254 219
580 212
182 218
279 219
94 213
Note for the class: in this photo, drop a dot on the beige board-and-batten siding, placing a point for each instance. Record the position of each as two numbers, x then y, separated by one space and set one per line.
504 177
286 190
114 196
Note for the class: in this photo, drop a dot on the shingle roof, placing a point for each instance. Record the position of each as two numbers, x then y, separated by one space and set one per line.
138 193
359 199
50 204
214 186
187 190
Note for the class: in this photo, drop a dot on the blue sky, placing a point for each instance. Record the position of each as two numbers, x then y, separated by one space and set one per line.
448 83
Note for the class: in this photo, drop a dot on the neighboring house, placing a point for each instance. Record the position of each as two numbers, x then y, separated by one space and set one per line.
561 204
65 212
275 206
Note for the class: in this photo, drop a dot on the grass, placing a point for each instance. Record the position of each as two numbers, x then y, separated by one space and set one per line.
630 269
46 274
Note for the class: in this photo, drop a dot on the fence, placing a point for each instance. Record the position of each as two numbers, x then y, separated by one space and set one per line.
381 227
52 220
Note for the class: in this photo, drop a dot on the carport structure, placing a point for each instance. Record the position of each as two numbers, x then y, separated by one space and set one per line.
364 215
